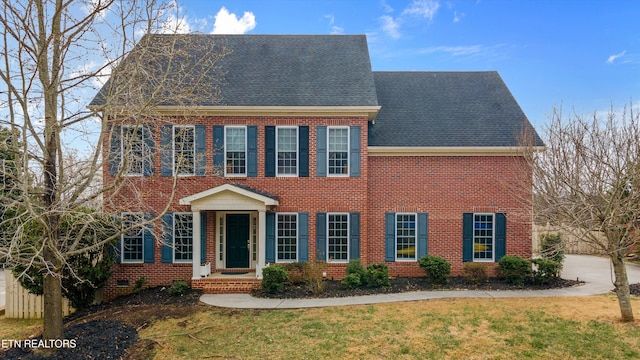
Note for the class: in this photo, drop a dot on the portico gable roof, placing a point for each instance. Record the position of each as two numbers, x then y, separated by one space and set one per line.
230 197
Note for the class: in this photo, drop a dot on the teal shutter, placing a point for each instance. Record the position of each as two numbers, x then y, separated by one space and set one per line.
269 151
321 236
423 234
390 236
149 241
303 236
201 150
467 237
166 151
115 150
501 235
321 151
354 151
147 135
167 231
303 151
117 251
252 151
218 149
270 238
354 235
203 237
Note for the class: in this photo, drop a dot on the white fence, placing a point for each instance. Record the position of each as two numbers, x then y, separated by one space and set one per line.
20 304
573 242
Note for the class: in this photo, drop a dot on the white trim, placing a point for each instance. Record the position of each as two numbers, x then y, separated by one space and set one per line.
369 111
348 240
173 237
297 151
348 173
226 187
451 150
173 149
140 216
493 236
415 238
297 238
246 145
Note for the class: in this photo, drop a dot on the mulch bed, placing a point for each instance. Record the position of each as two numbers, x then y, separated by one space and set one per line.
110 331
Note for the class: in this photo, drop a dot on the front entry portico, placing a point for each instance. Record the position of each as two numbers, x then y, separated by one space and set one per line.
237 201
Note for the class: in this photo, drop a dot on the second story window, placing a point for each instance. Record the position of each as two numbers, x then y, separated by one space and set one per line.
184 150
287 148
235 150
133 150
338 147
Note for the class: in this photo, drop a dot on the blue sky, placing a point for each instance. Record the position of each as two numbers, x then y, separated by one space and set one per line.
582 55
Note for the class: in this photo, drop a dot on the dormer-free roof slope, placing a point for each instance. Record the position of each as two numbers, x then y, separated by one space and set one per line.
447 109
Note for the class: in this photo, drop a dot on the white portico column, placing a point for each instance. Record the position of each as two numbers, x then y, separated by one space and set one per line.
262 236
196 245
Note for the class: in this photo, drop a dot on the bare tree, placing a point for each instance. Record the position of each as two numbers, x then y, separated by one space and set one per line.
587 183
56 54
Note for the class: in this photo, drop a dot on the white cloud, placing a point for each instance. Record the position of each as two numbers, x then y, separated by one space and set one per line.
422 8
335 30
457 17
175 25
91 6
454 50
613 58
390 26
228 23
386 7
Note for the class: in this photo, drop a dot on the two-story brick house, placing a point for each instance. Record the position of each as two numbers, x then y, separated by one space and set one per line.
309 155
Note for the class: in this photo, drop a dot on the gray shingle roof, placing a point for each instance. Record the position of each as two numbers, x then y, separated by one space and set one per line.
446 109
284 70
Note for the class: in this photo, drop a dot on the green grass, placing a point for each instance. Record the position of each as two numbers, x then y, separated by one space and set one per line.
549 328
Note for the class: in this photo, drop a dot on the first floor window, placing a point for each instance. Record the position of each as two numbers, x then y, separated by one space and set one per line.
287 238
183 237
184 150
133 149
132 238
405 236
483 237
235 148
338 145
338 237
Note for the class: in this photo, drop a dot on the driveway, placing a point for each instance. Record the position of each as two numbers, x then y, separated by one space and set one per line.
594 271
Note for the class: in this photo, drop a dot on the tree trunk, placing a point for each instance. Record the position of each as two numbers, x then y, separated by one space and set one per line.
622 286
53 328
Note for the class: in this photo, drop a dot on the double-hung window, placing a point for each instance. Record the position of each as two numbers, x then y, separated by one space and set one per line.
287 237
133 149
182 237
132 238
406 237
337 237
338 151
287 151
235 150
483 237
184 150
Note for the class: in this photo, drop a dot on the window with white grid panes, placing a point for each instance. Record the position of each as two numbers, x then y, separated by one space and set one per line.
133 150
338 237
338 146
182 237
132 250
483 237
235 149
287 149
287 238
405 236
184 150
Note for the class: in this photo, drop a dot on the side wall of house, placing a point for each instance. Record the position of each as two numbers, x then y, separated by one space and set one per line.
446 187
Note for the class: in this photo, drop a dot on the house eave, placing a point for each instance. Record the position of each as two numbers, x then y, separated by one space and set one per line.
370 111
451 150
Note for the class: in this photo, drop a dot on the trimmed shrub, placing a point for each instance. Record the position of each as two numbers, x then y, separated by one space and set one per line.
377 275
514 269
295 272
273 279
475 272
355 267
552 248
178 288
352 281
545 271
313 277
437 268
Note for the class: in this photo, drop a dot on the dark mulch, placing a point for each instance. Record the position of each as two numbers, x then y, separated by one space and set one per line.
406 284
635 289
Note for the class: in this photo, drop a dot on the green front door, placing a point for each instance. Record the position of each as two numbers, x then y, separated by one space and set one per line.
237 241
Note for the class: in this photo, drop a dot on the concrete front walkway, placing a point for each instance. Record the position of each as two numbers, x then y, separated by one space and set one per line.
594 271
